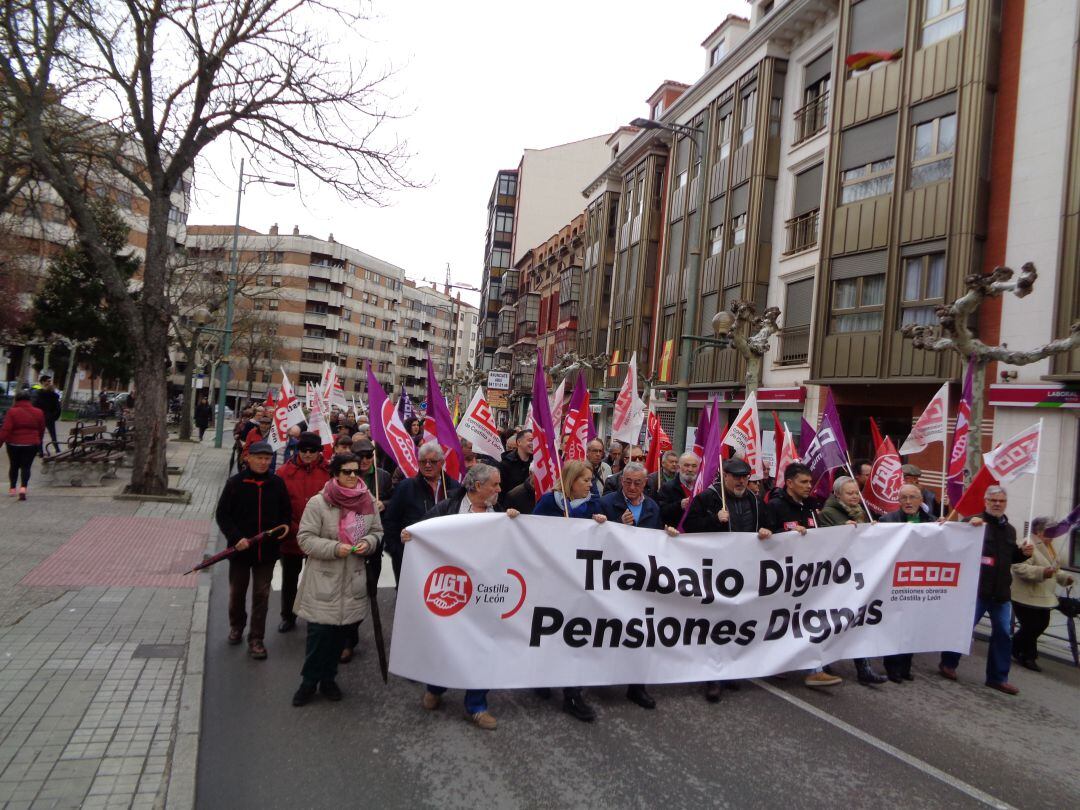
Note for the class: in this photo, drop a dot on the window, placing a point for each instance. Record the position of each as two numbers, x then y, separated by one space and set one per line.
870 180
723 137
857 304
507 185
275 281
316 308
717 53
716 240
346 315
795 336
345 338
504 221
941 19
658 109
746 117
273 303
932 151
923 289
738 229
500 258
314 331
680 180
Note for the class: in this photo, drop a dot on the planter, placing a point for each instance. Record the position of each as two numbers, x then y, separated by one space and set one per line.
181 496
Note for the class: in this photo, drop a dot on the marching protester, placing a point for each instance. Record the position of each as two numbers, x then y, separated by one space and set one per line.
522 497
574 499
304 475
632 454
204 415
479 493
594 454
668 472
632 507
339 529
674 496
292 442
615 456
253 501
843 507
47 400
1034 585
912 474
343 444
862 469
22 431
415 497
999 554
381 486
514 464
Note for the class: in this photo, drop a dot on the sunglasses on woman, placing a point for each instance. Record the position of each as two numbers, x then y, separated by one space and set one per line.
352 472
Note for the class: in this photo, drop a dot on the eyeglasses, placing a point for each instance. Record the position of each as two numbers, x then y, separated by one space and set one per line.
352 472
366 455
637 458
424 462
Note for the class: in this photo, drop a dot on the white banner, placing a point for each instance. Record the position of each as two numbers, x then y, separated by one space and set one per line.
486 601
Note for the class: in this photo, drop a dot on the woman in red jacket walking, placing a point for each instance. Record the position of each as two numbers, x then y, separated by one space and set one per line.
22 431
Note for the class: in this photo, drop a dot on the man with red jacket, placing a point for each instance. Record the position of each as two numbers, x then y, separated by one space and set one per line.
22 431
304 475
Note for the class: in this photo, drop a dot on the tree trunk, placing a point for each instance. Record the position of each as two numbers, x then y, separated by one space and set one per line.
753 373
250 381
187 411
73 353
978 396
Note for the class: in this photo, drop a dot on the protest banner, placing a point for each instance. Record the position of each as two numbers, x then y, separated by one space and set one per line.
488 601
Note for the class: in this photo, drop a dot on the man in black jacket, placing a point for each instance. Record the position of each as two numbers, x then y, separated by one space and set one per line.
745 511
514 464
252 501
413 498
668 473
674 495
47 400
522 497
999 553
789 509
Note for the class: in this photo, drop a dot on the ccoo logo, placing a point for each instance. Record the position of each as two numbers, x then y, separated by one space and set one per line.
447 590
926 574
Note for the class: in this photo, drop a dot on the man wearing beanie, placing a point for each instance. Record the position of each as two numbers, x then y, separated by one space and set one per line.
304 476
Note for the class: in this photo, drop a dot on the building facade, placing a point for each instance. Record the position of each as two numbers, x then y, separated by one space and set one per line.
498 247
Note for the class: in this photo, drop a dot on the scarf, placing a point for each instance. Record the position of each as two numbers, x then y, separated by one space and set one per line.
574 503
856 512
356 509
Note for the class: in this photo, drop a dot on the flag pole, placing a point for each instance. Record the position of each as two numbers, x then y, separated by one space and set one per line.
869 514
565 497
1035 478
375 467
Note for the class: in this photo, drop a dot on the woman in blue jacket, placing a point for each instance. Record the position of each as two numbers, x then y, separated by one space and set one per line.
576 500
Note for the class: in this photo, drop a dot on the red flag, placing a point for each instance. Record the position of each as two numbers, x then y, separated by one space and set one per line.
269 403
387 429
578 422
788 455
882 490
972 501
544 466
659 443
876 433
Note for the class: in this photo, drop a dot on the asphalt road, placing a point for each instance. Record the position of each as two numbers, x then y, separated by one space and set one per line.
930 743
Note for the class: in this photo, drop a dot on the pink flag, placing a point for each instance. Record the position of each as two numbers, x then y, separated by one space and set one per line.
558 401
287 400
387 429
578 422
957 460
444 431
629 409
788 454
544 466
931 426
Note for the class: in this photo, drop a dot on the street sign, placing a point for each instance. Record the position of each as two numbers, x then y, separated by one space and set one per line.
498 399
199 381
499 380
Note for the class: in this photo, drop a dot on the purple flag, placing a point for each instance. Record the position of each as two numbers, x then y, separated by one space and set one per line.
405 407
545 461
444 426
1064 526
387 429
836 452
701 435
710 454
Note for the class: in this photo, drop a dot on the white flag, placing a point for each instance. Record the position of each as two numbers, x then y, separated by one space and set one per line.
317 422
932 426
629 408
478 426
287 401
558 401
745 436
1015 456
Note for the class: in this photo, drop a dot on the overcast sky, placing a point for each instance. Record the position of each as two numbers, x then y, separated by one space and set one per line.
484 80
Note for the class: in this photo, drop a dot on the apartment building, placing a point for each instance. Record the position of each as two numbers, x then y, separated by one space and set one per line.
466 334
498 247
327 301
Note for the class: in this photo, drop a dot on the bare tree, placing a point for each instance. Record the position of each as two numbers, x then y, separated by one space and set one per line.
954 334
137 89
257 344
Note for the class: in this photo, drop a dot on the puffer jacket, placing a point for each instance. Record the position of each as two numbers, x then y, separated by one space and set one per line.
302 481
1030 585
23 424
333 589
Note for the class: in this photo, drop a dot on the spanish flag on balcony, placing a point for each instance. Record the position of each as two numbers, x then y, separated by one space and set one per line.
864 59
667 359
613 368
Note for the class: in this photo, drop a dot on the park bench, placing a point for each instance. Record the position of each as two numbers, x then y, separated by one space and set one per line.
92 457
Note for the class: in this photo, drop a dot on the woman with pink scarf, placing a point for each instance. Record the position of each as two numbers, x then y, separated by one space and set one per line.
340 527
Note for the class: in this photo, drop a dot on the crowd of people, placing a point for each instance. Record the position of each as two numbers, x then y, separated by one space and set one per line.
346 504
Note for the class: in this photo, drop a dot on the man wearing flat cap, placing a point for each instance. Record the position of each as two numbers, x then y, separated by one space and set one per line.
253 501
912 474
745 512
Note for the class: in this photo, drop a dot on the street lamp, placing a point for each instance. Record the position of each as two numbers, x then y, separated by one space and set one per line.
223 377
727 328
682 384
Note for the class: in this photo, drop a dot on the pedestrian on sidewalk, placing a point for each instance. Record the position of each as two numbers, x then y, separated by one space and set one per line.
339 529
22 432
479 494
47 400
999 553
204 415
1034 593
253 501
304 475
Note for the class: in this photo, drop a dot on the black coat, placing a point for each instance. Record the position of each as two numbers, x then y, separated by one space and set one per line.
669 499
783 513
655 483
386 485
203 414
48 402
748 513
999 554
614 504
250 504
413 499
512 471
522 497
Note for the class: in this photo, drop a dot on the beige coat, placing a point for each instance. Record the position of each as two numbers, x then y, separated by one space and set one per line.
333 589
1030 585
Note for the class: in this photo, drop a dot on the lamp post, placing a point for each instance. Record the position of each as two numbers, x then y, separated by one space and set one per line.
682 384
727 328
223 379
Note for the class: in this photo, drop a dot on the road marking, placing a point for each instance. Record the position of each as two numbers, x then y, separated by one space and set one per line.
881 745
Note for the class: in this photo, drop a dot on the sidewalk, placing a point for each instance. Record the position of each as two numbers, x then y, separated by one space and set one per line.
102 642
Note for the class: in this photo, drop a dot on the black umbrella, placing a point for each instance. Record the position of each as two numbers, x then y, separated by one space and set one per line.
270 534
376 622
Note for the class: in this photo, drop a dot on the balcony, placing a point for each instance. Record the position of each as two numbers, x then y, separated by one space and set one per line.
794 346
510 281
802 232
313 344
316 317
328 272
811 118
329 297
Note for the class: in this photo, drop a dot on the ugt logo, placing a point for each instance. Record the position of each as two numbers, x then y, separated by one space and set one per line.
447 590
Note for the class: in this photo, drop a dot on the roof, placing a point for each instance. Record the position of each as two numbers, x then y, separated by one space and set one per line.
727 20
218 230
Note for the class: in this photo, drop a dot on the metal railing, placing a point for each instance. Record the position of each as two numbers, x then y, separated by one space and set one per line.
794 345
802 231
811 118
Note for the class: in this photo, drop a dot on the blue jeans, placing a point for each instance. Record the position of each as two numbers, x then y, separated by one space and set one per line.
997 658
475 699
